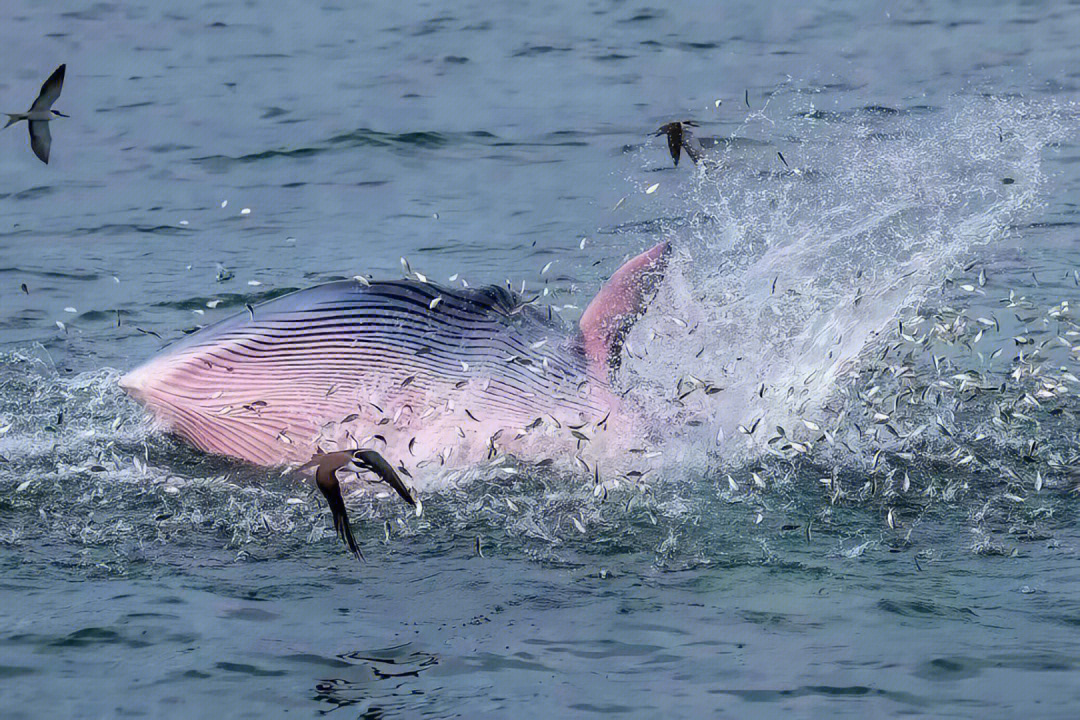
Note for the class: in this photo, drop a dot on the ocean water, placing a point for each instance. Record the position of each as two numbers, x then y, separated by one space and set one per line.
876 516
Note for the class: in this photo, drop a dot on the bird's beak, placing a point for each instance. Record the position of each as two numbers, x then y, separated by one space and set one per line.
57 112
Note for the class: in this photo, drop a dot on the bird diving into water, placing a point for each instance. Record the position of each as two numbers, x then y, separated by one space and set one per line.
326 467
41 114
679 137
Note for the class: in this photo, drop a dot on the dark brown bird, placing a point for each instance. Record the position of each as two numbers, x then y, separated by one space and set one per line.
326 467
679 138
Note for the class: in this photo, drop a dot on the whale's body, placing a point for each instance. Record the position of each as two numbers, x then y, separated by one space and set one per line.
424 374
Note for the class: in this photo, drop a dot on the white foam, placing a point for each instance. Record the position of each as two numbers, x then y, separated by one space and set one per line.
785 278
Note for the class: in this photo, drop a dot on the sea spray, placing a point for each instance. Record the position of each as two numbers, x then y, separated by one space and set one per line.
787 278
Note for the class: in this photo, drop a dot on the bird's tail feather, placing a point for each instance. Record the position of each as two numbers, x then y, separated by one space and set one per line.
14 118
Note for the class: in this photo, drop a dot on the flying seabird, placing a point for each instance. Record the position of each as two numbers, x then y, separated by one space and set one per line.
41 113
679 137
357 461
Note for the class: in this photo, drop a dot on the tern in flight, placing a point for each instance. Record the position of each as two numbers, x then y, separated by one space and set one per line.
41 113
680 137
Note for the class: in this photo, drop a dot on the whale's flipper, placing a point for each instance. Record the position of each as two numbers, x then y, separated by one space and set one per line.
617 306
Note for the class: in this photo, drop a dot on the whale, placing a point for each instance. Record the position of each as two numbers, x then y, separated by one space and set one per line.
429 377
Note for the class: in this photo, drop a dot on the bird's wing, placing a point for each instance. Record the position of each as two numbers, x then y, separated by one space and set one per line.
674 141
50 90
327 482
378 465
40 139
690 143
693 149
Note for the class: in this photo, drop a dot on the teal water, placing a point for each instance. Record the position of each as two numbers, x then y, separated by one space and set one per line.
923 218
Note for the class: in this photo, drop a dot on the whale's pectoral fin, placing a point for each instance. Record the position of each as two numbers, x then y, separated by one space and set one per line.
331 489
617 306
